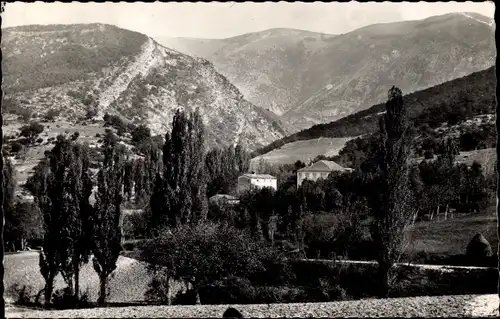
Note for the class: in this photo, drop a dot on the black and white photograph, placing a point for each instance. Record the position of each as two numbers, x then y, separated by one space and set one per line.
249 159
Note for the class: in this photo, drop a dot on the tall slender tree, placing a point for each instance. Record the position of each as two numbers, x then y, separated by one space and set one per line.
106 220
79 226
61 186
391 205
180 193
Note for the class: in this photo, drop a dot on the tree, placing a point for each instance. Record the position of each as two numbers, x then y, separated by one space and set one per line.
31 131
80 225
106 221
51 115
179 195
204 253
128 179
223 167
391 203
12 223
61 186
91 112
140 134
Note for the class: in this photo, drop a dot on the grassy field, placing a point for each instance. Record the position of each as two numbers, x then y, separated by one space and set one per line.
451 237
303 150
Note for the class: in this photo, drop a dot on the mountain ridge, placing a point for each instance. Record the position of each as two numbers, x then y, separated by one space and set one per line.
71 68
311 80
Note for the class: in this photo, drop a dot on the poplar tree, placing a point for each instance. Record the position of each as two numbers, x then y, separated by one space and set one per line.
179 196
391 205
61 186
106 221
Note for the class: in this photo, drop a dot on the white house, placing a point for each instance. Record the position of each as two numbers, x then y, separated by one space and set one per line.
249 181
320 169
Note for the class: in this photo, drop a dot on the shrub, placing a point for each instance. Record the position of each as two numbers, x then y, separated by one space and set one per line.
75 136
23 295
91 113
140 134
429 154
230 290
25 115
51 115
120 131
65 299
31 131
16 147
158 293
134 225
39 140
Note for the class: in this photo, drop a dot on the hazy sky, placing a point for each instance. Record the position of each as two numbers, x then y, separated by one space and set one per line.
221 20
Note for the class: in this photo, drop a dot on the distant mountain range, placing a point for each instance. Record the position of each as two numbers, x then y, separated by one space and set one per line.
308 78
72 68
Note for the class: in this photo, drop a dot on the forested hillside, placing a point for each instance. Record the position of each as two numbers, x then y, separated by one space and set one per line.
450 102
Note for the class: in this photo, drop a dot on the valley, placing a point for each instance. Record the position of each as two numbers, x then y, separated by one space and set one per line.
152 174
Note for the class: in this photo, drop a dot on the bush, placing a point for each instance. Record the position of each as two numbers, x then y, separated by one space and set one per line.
51 115
75 136
91 113
16 147
31 131
23 295
140 134
230 290
134 225
158 293
64 299
429 154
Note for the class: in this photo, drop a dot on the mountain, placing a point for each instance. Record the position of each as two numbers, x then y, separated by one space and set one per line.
266 66
71 68
309 78
463 98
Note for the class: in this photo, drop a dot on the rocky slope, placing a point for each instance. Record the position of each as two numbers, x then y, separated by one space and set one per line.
266 66
310 78
71 68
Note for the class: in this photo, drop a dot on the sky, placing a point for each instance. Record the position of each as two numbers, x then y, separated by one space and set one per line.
227 19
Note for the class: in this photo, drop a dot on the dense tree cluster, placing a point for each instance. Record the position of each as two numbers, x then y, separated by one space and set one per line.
223 168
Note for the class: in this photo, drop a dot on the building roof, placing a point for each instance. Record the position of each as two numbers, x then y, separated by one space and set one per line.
262 176
323 166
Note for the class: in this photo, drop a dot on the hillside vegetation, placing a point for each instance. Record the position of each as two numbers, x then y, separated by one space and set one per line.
77 70
460 98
